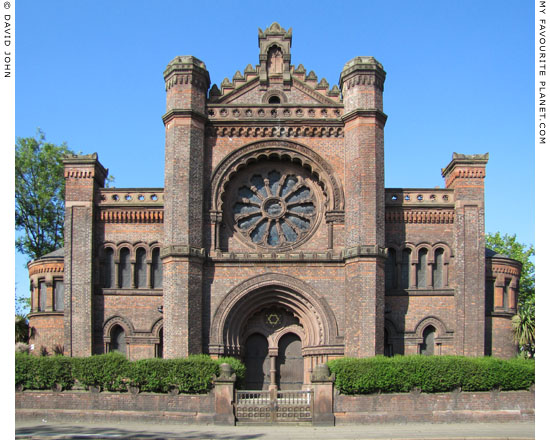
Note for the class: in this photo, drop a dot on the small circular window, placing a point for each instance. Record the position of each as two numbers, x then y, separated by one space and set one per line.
273 206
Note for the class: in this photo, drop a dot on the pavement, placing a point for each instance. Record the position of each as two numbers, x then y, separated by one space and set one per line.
42 429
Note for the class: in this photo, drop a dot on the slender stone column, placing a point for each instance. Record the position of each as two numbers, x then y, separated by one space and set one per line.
273 372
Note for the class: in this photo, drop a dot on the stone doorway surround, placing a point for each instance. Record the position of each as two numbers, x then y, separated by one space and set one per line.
274 305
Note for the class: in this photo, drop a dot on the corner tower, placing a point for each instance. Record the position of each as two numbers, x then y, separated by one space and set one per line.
362 85
187 82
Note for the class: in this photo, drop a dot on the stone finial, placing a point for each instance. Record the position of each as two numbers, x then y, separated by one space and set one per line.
227 374
215 91
275 29
323 84
335 91
226 85
311 76
250 72
321 373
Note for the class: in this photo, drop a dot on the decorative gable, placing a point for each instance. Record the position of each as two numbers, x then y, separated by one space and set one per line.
275 80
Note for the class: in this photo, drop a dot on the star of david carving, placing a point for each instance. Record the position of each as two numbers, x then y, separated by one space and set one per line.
273 319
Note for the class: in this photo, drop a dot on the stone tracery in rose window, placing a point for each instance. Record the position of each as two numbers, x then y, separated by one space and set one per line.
274 207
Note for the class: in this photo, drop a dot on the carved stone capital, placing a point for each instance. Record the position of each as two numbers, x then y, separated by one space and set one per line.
216 216
335 217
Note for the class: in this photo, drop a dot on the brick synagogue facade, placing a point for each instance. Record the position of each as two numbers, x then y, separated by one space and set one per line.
274 238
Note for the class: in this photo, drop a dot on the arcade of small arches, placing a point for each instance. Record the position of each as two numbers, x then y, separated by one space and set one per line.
126 266
422 266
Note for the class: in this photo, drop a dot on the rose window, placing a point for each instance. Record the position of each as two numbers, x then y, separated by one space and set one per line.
274 208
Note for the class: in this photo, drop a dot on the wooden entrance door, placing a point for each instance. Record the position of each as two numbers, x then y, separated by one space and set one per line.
290 363
256 361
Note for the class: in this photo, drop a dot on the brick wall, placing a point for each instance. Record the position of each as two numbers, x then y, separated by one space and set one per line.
457 406
433 408
88 407
46 331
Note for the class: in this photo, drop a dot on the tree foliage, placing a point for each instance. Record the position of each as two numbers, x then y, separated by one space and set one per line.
524 322
523 325
39 195
21 329
509 246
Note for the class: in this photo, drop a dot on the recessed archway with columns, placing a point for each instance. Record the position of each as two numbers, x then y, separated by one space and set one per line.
236 318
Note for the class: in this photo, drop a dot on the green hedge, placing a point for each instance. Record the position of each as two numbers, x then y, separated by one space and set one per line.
431 374
113 372
42 373
106 371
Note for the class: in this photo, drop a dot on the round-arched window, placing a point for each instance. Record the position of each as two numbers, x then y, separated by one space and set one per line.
273 205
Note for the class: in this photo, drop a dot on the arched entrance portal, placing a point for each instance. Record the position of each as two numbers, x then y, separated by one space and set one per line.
298 326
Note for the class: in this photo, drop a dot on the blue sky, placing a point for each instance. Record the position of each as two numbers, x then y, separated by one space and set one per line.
459 79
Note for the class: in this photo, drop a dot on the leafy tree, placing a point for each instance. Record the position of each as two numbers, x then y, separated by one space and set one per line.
39 195
22 304
509 246
524 322
523 325
21 329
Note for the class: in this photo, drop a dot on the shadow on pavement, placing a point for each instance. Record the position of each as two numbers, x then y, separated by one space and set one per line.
80 432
